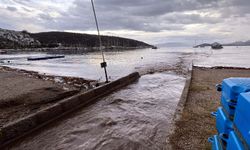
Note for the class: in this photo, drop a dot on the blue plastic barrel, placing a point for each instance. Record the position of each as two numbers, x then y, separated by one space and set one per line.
229 106
223 124
242 116
233 142
231 88
216 143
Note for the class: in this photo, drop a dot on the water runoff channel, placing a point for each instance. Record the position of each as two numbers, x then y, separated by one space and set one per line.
139 116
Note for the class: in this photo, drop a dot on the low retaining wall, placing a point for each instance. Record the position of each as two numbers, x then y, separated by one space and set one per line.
184 95
24 126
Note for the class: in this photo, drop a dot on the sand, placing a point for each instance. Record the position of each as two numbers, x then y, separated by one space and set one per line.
196 124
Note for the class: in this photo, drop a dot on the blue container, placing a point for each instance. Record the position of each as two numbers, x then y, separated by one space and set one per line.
216 142
242 117
229 106
223 124
233 142
231 88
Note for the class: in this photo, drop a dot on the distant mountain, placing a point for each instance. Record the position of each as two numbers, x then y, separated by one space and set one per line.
173 44
68 39
238 43
202 45
24 39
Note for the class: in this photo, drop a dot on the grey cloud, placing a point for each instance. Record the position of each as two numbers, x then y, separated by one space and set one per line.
45 16
147 15
26 9
179 18
140 15
135 15
23 2
11 8
157 7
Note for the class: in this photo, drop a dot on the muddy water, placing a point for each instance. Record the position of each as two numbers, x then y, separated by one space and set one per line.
136 117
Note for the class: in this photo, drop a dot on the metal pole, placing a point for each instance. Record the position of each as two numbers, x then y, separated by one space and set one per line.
103 64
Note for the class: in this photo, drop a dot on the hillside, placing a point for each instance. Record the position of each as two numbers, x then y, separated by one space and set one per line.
83 40
239 43
24 39
16 39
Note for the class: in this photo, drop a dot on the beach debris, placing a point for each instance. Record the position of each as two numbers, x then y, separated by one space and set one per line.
67 82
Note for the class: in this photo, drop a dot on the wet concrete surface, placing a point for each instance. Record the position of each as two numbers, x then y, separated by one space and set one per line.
136 117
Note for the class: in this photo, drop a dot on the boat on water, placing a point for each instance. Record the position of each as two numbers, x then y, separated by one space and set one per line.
216 46
154 47
44 58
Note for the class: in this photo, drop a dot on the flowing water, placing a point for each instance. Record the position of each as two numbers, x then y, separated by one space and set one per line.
136 117
139 116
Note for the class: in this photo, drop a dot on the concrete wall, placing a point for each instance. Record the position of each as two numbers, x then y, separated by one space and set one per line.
24 126
184 94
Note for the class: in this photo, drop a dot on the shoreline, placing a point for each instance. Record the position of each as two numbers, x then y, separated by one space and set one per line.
25 92
66 50
76 82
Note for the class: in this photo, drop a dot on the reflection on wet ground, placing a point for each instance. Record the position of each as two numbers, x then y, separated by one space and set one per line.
136 117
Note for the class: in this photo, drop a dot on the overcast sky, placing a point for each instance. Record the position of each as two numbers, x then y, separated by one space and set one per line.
153 21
